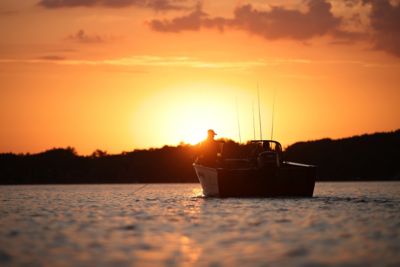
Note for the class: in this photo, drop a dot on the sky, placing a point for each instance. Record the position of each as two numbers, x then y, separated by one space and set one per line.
119 75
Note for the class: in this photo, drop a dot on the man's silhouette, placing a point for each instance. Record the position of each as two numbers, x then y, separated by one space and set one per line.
209 149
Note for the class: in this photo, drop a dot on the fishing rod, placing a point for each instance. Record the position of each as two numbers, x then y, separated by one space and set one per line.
254 125
259 111
238 121
273 115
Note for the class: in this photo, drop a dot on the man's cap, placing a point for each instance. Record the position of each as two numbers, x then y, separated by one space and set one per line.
211 131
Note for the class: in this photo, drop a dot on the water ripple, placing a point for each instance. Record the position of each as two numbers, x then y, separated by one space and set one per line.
345 224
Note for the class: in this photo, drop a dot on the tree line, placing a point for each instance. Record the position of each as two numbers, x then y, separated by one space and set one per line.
367 157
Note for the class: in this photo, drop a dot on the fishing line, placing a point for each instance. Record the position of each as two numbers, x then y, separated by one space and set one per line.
140 188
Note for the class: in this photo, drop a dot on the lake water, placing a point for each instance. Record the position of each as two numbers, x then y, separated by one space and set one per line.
344 224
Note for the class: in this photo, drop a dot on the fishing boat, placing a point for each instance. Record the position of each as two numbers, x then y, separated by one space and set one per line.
262 174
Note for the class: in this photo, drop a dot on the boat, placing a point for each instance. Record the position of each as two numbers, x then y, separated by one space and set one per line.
262 174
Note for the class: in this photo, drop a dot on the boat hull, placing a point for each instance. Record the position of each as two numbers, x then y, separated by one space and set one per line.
290 180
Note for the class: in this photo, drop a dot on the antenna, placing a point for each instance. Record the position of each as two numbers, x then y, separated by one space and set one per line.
254 125
259 111
273 115
238 121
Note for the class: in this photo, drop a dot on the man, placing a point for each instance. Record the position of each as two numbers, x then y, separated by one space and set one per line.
209 149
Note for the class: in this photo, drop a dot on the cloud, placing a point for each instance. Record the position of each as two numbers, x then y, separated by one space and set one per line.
194 21
177 61
82 37
164 5
275 23
283 23
191 62
278 22
52 57
155 61
385 24
7 12
161 5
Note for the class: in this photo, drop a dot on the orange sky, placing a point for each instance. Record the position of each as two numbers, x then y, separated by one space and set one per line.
125 74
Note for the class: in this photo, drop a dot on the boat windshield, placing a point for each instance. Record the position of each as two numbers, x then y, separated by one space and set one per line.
267 145
250 150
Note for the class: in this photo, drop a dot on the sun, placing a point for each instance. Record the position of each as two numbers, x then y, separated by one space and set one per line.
194 137
194 116
186 113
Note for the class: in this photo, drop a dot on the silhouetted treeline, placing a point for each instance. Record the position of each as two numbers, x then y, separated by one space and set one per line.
367 157
63 165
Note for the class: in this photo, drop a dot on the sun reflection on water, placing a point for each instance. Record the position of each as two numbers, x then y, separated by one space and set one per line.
190 250
197 192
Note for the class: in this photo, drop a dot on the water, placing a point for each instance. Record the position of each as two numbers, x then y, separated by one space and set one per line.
345 224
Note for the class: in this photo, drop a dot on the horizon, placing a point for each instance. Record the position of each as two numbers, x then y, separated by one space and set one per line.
124 75
188 144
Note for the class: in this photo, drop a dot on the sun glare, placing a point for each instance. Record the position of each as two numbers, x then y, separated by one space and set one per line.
194 137
184 113
198 108
195 117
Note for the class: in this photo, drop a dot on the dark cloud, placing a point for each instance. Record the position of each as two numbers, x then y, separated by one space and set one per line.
82 37
164 5
276 23
351 3
67 3
6 12
273 24
385 23
194 21
318 20
154 4
52 58
191 22
283 23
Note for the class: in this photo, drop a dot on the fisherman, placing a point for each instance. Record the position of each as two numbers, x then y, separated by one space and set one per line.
209 149
269 158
